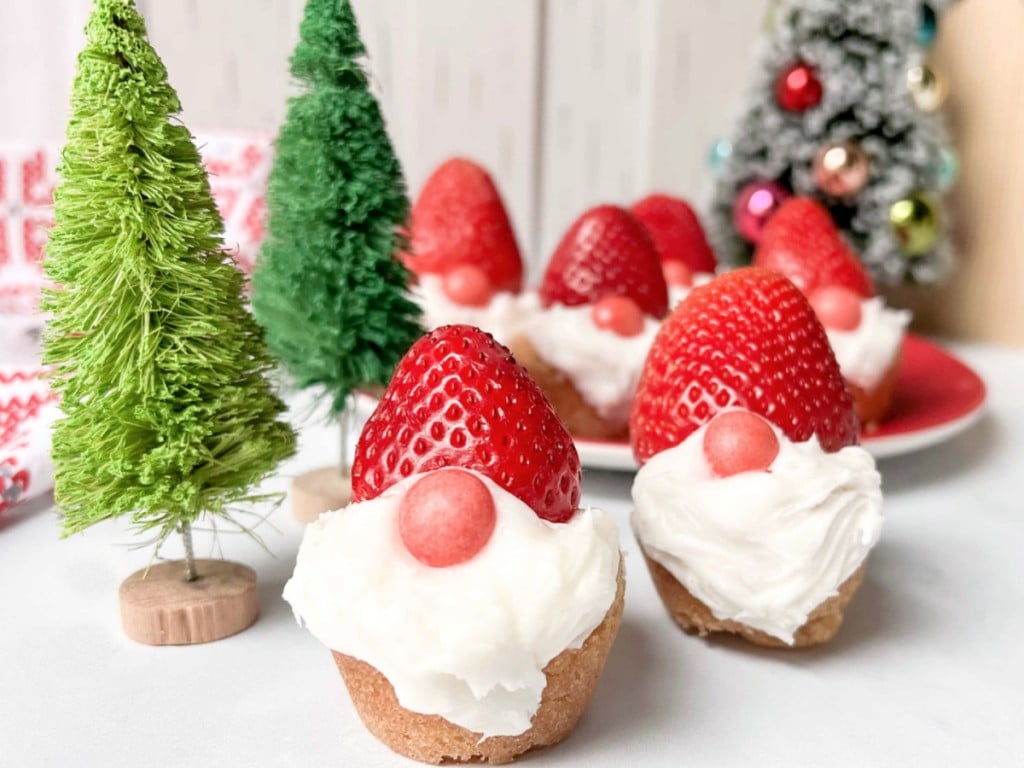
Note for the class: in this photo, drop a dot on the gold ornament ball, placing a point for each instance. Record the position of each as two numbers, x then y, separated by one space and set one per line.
926 88
915 221
841 168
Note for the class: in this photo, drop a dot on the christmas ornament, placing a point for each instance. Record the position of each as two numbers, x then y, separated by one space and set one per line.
719 155
928 26
947 168
841 168
915 222
926 88
798 88
754 205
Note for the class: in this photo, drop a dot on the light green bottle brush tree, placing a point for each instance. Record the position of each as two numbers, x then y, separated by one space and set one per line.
327 285
169 416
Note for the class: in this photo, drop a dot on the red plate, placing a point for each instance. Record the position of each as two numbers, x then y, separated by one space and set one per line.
937 397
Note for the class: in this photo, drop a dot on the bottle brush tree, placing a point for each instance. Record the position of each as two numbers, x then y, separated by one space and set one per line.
161 370
844 108
328 286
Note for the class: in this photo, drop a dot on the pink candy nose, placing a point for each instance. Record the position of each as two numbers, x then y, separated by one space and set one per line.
739 441
619 314
837 308
446 517
677 273
468 285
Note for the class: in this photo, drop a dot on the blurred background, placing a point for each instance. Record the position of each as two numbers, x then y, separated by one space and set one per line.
568 102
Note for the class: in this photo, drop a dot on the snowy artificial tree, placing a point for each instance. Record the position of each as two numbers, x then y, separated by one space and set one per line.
844 109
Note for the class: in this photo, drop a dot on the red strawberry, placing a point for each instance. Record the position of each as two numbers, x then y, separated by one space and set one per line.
802 242
459 219
459 399
676 231
748 338
606 252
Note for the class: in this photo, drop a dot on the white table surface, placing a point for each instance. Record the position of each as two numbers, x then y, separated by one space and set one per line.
927 670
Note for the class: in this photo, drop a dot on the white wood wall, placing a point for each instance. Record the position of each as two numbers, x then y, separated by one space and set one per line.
568 102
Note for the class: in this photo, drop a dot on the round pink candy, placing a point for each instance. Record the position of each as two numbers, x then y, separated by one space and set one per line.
468 285
619 314
677 273
739 441
837 308
446 517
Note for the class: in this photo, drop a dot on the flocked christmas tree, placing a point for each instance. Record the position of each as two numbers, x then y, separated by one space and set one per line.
327 285
168 414
844 108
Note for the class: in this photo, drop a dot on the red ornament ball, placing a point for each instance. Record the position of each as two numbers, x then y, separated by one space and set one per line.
754 205
798 88
446 517
739 441
619 314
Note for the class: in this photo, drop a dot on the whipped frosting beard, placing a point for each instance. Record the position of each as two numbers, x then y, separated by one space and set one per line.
467 642
867 352
601 364
503 317
761 548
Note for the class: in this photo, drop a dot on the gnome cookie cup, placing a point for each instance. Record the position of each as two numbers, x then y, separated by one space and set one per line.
602 298
802 242
469 604
464 255
754 507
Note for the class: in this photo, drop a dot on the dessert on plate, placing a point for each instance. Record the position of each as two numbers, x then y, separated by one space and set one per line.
463 253
754 506
602 297
802 242
468 603
686 256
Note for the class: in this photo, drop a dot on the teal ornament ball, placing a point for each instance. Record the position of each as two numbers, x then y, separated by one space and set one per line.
719 155
947 169
928 26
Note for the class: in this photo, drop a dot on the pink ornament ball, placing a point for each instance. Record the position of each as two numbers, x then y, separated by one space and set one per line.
619 314
739 441
754 205
446 518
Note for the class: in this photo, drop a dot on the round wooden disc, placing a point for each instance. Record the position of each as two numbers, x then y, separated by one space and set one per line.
318 491
158 607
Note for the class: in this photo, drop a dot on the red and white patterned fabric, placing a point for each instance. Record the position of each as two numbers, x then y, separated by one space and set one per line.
238 167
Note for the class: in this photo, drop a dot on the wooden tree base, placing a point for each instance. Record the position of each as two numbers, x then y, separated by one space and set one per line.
158 607
318 491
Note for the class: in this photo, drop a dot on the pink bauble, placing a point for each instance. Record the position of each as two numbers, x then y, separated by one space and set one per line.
754 205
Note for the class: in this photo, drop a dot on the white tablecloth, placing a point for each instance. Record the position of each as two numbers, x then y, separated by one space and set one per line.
927 670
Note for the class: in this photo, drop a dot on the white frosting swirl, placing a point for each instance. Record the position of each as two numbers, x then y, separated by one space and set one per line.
468 642
761 548
503 317
604 366
867 352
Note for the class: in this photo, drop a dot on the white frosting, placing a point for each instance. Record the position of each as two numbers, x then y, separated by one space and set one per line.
761 548
467 642
604 366
503 317
866 353
676 293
